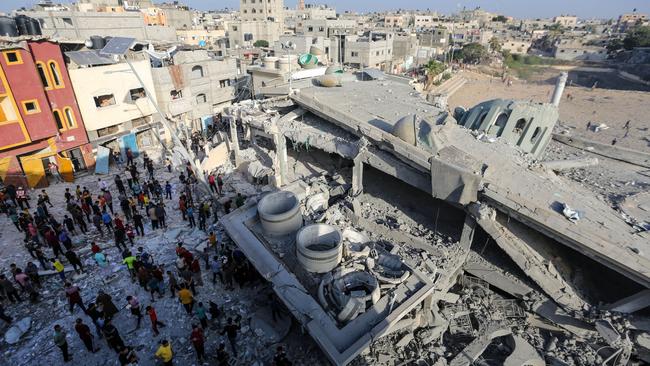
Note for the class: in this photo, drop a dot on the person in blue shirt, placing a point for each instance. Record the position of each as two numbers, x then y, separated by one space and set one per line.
108 220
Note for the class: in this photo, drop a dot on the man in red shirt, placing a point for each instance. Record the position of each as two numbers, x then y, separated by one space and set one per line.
84 333
154 319
198 340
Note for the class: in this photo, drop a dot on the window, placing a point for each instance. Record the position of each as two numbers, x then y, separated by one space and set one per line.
56 74
31 106
310 29
234 29
197 71
67 21
224 83
535 135
520 125
58 119
69 117
108 130
201 98
106 100
176 94
137 93
42 73
253 11
354 54
321 29
13 57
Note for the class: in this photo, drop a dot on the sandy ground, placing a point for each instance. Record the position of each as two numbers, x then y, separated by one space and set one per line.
611 107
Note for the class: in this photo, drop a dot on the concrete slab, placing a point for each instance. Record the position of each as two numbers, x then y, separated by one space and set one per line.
630 304
496 279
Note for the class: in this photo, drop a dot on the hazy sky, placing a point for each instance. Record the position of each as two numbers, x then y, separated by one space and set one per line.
517 8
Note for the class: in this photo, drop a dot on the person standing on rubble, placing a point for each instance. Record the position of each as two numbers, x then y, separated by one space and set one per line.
112 336
153 316
230 329
74 297
85 335
106 302
134 306
165 353
186 298
198 341
61 342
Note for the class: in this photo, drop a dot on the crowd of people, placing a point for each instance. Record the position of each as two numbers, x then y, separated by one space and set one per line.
54 241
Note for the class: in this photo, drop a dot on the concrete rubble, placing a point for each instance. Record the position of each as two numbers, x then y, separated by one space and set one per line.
395 233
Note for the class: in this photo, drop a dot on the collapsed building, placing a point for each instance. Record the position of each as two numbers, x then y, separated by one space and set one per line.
359 268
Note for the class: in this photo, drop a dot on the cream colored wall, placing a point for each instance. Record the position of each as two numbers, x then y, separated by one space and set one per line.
112 79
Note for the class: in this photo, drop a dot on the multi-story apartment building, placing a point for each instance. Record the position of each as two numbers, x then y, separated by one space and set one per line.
568 21
193 86
373 49
40 121
115 104
81 25
261 10
630 20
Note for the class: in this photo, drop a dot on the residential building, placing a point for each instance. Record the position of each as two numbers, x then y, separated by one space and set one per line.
516 46
79 25
568 21
373 49
422 21
394 21
115 106
176 15
193 86
261 10
303 44
576 49
200 37
630 20
437 37
312 11
39 117
237 32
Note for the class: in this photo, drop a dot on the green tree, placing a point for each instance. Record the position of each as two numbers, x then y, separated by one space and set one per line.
495 44
500 18
261 43
472 53
433 69
637 37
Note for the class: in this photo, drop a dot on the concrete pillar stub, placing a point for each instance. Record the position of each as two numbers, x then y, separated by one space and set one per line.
234 140
357 175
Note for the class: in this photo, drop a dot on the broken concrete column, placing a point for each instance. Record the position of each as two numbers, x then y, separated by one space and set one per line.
357 175
559 89
234 139
280 159
558 165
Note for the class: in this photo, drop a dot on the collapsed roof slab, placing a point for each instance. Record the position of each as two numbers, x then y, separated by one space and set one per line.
340 345
509 182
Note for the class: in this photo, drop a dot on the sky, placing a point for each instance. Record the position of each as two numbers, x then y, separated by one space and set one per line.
516 8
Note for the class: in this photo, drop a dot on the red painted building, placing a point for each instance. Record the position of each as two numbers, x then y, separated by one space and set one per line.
40 120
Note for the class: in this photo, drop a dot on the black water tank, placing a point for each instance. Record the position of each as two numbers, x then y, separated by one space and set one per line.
98 42
22 22
8 27
34 27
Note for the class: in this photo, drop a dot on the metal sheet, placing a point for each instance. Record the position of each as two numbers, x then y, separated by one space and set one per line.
117 46
101 160
128 142
87 58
